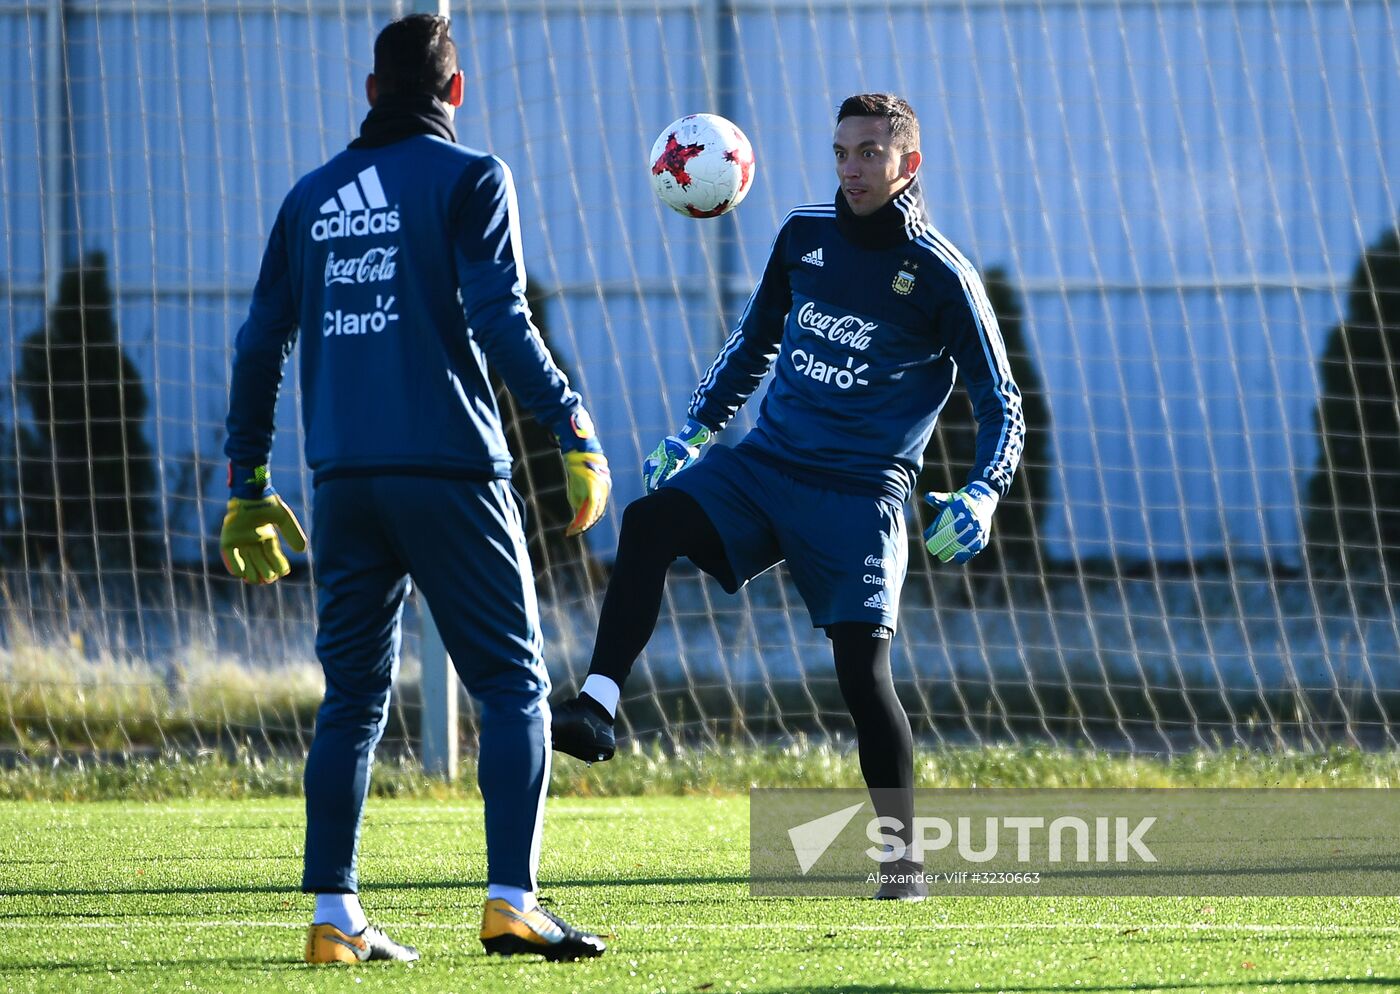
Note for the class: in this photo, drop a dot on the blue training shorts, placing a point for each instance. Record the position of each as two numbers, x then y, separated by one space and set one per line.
847 553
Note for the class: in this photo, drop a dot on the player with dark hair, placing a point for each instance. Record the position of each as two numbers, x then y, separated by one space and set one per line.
870 314
400 259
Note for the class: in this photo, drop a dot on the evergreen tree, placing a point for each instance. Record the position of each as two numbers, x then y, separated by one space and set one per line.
1354 496
953 449
11 549
86 475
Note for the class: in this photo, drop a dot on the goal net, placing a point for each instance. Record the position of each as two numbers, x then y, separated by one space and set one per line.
1185 212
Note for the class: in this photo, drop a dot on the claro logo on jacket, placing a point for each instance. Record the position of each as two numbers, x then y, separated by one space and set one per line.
358 208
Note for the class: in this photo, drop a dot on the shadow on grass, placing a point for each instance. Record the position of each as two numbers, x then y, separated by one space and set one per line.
106 860
1272 983
381 888
134 965
107 892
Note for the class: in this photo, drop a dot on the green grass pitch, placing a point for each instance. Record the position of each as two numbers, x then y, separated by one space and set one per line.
201 896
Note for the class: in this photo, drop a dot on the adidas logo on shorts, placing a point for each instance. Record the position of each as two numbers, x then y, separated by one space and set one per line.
877 600
814 258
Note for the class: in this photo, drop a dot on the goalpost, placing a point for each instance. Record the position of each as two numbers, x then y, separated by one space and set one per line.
1185 211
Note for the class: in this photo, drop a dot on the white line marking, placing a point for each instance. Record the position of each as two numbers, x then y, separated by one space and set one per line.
781 926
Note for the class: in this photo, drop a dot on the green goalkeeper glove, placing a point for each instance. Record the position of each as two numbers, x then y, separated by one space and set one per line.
962 523
249 542
674 454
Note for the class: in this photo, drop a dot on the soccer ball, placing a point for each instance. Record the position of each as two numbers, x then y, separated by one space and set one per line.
702 166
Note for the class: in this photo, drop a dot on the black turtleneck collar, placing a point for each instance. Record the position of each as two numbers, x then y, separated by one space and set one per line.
395 117
901 220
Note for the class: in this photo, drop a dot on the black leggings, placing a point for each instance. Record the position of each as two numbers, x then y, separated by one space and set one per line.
883 737
662 527
657 530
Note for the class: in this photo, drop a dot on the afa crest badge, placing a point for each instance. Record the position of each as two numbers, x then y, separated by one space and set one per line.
903 283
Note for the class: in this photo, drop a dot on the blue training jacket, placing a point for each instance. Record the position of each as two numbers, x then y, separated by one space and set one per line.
870 319
401 265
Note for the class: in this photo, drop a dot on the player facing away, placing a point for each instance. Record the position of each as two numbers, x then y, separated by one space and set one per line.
870 313
399 260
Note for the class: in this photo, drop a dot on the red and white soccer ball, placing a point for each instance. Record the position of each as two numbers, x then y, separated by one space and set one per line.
702 166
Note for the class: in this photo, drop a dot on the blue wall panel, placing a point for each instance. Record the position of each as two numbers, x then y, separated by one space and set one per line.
1177 170
22 72
1181 191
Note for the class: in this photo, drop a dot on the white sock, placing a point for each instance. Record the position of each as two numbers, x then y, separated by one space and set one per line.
517 897
603 690
341 910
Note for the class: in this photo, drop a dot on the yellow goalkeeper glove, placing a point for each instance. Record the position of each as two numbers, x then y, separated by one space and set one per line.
587 477
589 484
249 542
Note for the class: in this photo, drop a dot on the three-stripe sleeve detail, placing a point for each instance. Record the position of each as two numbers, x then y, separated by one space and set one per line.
1011 441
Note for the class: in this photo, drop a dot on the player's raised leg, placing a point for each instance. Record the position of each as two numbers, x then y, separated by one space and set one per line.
656 530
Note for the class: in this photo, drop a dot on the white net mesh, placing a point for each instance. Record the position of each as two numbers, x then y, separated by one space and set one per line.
1186 210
